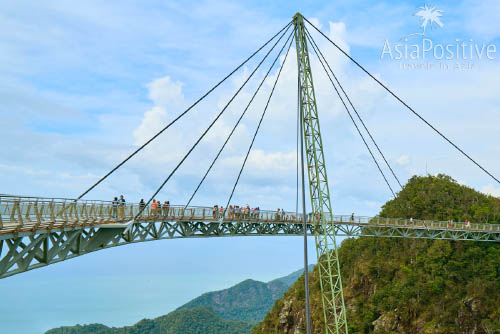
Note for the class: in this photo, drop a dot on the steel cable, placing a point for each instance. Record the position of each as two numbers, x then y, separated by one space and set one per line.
258 127
353 108
183 113
236 125
352 119
210 126
404 103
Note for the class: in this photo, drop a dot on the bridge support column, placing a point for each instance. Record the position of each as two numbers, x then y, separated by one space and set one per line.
326 247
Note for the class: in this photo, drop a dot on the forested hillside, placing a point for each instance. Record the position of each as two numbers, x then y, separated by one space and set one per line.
249 300
198 320
411 286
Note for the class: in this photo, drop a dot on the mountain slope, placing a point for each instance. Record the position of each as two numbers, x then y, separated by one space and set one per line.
293 277
411 286
198 320
249 300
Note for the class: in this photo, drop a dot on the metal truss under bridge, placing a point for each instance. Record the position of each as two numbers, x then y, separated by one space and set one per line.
36 232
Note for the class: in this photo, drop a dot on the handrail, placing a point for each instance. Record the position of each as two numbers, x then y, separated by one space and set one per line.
21 211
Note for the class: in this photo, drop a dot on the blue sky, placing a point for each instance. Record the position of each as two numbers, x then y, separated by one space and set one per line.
84 83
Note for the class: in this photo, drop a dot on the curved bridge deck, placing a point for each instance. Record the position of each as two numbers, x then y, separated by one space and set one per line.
35 232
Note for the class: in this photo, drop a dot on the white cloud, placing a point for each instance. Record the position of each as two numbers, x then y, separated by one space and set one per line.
164 92
315 21
170 146
221 130
403 160
491 190
338 34
153 121
262 164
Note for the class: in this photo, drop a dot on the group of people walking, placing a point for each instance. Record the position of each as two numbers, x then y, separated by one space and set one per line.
236 212
281 215
157 208
452 224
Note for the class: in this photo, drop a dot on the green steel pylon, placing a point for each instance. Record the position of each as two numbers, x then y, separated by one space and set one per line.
326 248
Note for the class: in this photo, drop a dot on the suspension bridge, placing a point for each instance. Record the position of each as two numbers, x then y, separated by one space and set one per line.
36 232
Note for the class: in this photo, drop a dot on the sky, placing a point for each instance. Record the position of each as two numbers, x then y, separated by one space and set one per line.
84 84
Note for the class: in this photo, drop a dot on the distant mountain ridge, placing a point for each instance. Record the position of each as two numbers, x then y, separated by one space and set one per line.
249 300
196 321
293 277
229 311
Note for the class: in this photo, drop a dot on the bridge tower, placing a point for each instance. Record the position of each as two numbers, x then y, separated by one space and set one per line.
321 208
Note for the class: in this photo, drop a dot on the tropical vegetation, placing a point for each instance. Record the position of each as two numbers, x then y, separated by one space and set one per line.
411 285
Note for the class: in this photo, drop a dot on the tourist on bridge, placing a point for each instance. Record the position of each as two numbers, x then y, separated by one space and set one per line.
352 217
165 207
115 207
121 207
154 207
142 205
221 211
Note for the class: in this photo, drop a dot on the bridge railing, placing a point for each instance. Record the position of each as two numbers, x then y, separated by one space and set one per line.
17 212
434 224
21 211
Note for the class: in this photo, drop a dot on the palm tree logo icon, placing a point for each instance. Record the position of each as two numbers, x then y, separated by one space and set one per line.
428 16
